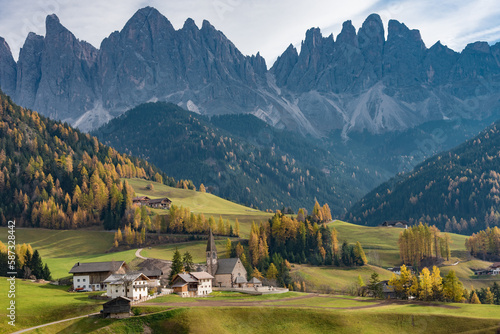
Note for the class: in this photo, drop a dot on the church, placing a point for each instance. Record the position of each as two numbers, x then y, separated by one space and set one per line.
227 273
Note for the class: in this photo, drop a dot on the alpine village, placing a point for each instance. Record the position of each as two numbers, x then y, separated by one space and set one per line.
167 183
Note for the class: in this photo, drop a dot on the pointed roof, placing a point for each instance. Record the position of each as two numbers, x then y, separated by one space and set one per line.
211 243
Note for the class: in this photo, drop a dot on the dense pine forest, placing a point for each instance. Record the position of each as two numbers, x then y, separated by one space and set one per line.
458 190
54 176
237 157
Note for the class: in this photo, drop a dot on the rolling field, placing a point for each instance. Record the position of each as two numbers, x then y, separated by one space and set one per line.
208 204
62 249
303 314
335 279
381 243
41 303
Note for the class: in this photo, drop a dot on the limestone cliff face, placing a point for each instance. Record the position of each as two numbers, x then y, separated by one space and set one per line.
355 81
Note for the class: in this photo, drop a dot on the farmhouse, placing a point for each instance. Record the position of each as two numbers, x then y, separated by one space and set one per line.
158 203
154 274
91 276
495 268
192 284
227 273
116 308
133 286
395 223
397 270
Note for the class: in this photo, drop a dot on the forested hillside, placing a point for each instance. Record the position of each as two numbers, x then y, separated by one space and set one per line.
54 176
458 190
237 157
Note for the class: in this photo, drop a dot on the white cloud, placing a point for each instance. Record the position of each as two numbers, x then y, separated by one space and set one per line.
259 25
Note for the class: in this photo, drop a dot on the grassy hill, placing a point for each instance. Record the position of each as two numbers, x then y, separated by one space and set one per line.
294 313
62 249
198 202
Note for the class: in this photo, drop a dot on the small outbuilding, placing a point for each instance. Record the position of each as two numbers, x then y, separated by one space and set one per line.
254 283
117 308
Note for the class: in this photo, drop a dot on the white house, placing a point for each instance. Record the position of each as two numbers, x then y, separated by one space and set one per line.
192 284
204 282
133 286
495 268
90 276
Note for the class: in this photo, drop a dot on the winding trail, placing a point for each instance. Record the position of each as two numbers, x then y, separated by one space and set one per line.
138 254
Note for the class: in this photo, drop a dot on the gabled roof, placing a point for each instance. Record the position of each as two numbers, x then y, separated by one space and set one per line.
96 267
153 272
495 265
240 279
159 200
118 300
201 275
226 266
122 278
141 198
211 243
185 278
254 280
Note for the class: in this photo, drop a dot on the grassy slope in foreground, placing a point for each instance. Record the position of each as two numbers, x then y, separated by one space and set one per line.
208 204
38 304
290 320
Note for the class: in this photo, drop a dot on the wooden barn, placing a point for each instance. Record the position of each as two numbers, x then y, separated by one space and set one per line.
116 308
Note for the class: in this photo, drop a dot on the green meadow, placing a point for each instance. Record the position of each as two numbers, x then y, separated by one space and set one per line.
38 304
208 204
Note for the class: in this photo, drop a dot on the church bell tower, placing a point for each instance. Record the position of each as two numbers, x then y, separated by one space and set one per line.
211 255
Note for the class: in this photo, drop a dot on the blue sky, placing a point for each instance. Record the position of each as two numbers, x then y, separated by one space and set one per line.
260 25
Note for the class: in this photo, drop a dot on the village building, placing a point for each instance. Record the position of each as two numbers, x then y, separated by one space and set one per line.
133 286
254 283
116 308
157 203
154 274
90 276
227 273
193 284
397 270
495 268
395 223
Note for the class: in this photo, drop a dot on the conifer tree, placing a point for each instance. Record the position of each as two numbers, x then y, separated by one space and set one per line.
177 265
187 261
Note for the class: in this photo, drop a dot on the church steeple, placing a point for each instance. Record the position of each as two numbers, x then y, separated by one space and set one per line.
211 255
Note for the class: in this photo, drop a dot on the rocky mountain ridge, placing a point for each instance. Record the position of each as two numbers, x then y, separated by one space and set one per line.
356 82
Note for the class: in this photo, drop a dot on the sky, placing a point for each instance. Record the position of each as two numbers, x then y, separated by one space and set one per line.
265 26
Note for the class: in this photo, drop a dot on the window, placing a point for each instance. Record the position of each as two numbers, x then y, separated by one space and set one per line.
116 291
77 286
78 280
83 280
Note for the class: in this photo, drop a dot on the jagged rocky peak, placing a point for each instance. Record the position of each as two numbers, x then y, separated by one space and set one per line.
398 32
371 33
29 69
347 35
8 69
284 65
259 64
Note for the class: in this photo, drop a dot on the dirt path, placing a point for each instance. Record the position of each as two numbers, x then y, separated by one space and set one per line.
138 254
52 323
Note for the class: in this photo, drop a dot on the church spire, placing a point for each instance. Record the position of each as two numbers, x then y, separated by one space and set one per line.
211 243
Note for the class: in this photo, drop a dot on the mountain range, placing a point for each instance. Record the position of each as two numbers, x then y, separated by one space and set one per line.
358 81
